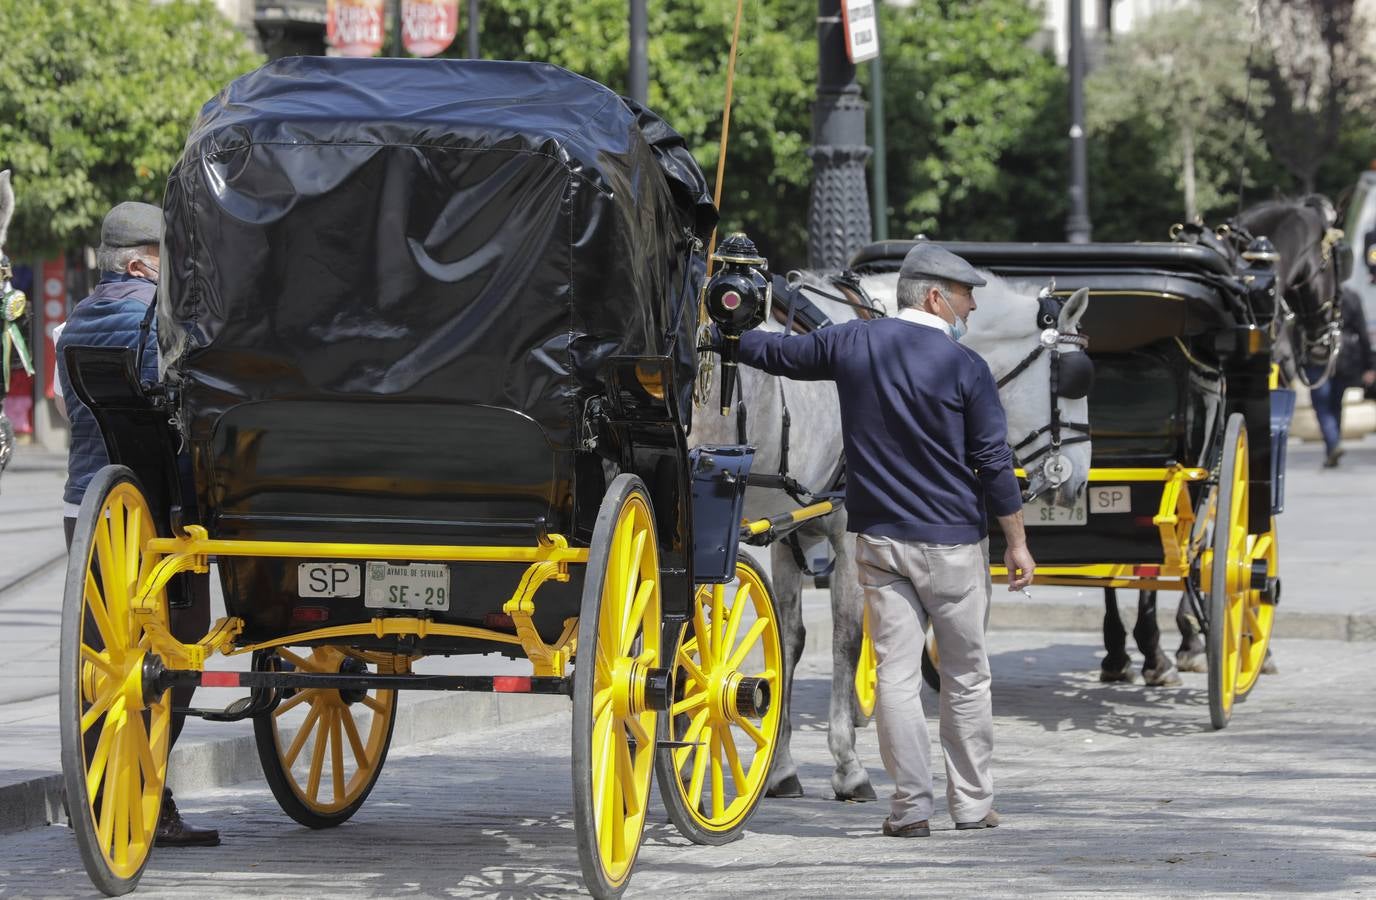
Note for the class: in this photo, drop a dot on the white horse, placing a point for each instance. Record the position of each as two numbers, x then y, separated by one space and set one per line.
1005 331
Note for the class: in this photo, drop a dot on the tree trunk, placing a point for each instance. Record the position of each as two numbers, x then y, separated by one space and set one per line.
1187 151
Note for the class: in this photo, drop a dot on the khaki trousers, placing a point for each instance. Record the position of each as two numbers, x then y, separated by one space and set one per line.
908 584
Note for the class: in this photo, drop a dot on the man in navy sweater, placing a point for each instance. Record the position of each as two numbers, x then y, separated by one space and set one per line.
926 447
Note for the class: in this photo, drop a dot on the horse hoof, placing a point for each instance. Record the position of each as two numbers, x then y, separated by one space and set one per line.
1191 661
1268 665
861 793
788 789
1117 676
1167 677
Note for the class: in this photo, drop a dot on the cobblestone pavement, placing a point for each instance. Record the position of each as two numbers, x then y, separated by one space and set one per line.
1103 788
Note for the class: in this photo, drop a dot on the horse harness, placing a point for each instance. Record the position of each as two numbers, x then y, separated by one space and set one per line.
1072 375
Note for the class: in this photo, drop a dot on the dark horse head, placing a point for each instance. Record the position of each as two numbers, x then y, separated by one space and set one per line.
1310 321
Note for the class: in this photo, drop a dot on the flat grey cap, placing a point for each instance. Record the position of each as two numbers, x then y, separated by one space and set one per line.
131 224
927 260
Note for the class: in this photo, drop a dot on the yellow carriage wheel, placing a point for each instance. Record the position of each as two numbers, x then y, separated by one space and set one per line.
322 750
619 634
866 670
1258 612
1228 572
727 710
115 735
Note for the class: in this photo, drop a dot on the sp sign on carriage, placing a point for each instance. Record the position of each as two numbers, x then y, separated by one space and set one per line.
859 18
355 27
428 27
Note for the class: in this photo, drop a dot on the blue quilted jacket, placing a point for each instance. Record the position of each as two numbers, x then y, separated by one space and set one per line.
110 317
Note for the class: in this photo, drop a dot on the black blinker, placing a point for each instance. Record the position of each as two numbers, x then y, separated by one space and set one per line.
1076 376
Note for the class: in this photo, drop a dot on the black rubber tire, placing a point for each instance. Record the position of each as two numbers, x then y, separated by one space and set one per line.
670 785
1220 705
69 685
595 878
280 780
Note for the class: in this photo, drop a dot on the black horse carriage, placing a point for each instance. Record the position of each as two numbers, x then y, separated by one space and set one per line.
1188 432
427 340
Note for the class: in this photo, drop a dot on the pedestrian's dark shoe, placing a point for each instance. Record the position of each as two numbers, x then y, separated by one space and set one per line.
173 830
1166 675
915 830
1331 460
991 820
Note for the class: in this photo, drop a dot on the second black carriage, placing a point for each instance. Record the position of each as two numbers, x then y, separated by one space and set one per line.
1188 434
426 333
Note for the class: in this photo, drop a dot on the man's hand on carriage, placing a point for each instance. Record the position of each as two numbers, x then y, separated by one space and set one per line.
1021 566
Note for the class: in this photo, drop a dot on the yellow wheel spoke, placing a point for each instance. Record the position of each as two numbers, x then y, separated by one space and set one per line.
636 621
601 760
376 704
299 697
755 734
733 622
301 663
355 742
289 758
700 758
747 644
625 774
719 650
695 726
99 660
600 701
144 752
96 770
336 739
131 544
718 777
685 659
690 702
637 730
733 757
607 810
322 728
95 603
109 798
630 591
98 709
603 673
704 638
134 792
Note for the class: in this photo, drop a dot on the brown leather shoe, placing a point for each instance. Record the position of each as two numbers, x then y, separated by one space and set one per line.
991 820
916 829
173 830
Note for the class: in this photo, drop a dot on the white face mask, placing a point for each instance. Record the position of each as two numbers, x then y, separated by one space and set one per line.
957 328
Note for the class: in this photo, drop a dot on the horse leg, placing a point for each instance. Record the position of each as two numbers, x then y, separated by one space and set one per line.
1117 665
849 781
788 606
1191 657
1157 668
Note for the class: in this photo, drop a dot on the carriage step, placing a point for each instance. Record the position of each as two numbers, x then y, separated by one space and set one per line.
240 709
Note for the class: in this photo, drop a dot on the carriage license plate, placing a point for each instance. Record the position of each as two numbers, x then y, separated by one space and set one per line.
407 586
1042 512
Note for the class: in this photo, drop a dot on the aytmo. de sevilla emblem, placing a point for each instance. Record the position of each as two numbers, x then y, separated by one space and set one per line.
428 26
355 27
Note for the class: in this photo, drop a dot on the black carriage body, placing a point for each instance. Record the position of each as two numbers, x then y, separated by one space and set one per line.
396 294
1178 343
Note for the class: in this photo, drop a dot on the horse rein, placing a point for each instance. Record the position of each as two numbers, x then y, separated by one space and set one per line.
1054 468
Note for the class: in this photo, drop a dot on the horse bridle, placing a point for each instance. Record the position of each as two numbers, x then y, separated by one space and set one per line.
1054 467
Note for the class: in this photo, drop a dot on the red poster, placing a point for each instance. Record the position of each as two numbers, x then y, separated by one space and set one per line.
52 288
428 26
355 27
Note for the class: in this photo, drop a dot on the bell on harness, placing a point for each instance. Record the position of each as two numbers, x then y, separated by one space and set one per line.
737 299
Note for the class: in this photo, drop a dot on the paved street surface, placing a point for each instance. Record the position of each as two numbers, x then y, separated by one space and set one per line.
1103 789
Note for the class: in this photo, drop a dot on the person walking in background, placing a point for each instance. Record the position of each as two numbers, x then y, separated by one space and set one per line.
119 313
1355 366
926 446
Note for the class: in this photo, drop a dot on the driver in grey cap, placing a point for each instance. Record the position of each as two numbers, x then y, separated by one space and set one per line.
119 313
926 448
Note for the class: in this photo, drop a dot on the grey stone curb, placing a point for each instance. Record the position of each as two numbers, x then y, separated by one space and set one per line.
217 763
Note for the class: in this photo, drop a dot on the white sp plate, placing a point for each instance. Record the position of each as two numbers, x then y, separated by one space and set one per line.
328 579
407 586
1041 512
1110 498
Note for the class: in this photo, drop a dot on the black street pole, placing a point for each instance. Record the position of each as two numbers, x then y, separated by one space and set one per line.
472 29
639 75
838 215
394 45
1077 227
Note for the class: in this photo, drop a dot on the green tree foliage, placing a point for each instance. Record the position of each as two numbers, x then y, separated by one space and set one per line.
963 85
96 98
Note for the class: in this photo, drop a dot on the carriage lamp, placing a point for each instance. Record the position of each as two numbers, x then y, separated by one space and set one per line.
737 299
